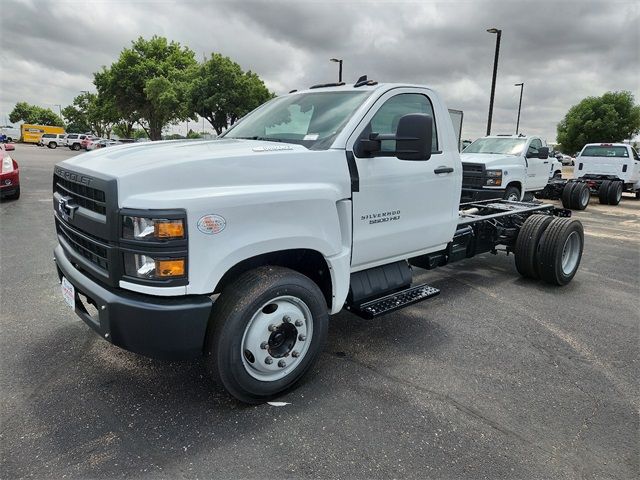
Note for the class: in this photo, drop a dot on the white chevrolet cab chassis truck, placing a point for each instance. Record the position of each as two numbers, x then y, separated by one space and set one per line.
514 167
240 248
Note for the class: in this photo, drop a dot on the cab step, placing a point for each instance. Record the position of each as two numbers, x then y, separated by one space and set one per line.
389 303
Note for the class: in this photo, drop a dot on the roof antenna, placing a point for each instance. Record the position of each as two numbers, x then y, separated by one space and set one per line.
362 81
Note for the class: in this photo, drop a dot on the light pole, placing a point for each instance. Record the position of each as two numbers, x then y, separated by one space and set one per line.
495 73
339 62
59 108
521 85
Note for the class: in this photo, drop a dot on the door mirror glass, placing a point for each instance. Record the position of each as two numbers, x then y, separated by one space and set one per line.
413 140
414 137
543 153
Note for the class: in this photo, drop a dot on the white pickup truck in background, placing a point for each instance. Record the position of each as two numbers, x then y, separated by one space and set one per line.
238 249
609 169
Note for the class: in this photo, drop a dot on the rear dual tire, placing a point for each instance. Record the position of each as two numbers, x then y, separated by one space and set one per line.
576 195
610 192
549 249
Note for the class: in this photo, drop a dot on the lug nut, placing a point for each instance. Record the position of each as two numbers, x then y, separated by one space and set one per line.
264 345
286 319
295 354
302 338
268 360
298 323
282 364
272 328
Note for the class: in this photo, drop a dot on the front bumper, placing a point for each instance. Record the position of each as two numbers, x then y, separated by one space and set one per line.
157 327
478 194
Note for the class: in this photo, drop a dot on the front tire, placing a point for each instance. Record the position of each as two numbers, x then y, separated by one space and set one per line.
512 194
266 330
75 146
53 144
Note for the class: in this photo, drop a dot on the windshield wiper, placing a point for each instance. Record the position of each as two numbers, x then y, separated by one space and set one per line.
265 139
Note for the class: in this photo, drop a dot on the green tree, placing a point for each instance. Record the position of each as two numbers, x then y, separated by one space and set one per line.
91 112
34 114
613 117
222 93
149 83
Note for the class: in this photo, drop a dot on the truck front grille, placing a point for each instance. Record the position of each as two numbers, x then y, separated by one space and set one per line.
84 196
86 246
473 175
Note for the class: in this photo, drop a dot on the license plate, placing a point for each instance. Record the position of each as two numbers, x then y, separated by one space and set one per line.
68 293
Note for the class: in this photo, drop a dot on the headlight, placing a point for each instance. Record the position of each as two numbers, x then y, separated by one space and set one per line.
494 178
152 229
152 268
7 165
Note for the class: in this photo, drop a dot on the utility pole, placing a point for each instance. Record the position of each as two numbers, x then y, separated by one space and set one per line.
495 74
521 85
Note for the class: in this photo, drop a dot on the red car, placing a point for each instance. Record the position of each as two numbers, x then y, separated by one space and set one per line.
84 143
9 174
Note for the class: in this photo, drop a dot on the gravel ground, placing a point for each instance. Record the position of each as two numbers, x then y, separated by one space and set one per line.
498 377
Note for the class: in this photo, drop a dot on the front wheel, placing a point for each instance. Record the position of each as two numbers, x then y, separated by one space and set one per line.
53 144
266 330
512 194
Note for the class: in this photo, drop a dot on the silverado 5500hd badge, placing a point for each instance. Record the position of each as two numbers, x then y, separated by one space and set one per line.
381 217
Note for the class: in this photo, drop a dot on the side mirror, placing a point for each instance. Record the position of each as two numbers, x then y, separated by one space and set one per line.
543 153
9 147
413 138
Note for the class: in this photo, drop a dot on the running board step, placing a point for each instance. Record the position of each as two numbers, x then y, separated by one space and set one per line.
395 301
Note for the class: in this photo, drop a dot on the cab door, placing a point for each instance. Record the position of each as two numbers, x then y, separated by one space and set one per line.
537 169
404 208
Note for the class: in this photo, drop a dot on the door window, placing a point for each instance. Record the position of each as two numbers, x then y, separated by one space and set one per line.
385 120
536 144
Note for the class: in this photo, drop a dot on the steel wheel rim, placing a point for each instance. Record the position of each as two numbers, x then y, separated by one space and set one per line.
275 341
512 197
618 192
584 196
570 253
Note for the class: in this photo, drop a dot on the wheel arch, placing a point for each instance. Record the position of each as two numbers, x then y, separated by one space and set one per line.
308 262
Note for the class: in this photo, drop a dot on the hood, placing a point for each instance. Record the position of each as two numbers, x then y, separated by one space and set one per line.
130 159
172 169
491 159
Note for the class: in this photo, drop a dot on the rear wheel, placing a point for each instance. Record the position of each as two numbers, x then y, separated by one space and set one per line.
526 248
603 192
512 194
560 251
75 146
615 193
566 194
266 330
580 196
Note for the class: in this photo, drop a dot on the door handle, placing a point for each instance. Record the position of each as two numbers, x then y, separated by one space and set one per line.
546 162
443 170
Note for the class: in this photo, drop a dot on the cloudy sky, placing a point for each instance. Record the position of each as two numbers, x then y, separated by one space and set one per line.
562 50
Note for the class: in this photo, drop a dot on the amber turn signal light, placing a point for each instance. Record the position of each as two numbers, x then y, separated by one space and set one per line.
169 229
170 268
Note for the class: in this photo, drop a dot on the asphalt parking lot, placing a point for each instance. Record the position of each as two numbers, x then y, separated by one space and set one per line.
498 377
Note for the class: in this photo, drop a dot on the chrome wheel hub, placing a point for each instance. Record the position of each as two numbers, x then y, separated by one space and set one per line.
277 338
570 253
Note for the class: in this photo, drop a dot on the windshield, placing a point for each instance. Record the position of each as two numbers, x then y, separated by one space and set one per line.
605 151
506 146
309 119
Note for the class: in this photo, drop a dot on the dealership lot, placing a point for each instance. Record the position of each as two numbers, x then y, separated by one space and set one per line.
497 377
